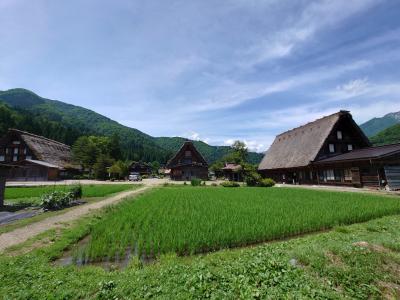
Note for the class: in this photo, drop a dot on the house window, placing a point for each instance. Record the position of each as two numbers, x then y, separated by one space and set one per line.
15 150
15 158
347 175
330 174
2 158
28 157
7 150
24 151
16 142
339 135
332 148
350 147
188 153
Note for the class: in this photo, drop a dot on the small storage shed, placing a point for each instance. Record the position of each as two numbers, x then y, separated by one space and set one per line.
233 172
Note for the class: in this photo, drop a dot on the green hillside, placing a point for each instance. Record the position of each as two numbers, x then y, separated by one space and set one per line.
376 125
65 122
27 121
390 135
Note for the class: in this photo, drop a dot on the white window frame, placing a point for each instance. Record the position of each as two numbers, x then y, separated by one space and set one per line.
350 147
16 142
28 157
339 135
16 150
15 157
331 148
2 158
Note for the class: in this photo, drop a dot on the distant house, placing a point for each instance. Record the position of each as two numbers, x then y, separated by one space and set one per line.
233 172
331 150
140 168
38 158
188 164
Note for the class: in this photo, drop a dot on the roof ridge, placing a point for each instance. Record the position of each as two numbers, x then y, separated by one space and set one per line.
313 122
37 136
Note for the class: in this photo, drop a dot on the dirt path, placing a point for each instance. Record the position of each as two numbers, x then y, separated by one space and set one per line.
22 234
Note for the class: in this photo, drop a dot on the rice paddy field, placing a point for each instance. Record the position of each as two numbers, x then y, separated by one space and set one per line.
31 195
188 220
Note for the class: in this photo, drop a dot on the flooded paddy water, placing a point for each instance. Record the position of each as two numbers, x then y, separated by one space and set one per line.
118 262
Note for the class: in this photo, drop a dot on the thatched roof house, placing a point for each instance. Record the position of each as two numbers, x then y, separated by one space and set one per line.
330 150
302 145
188 163
41 158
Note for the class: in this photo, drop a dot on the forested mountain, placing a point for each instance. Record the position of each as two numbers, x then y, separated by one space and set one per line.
390 135
376 125
65 122
22 119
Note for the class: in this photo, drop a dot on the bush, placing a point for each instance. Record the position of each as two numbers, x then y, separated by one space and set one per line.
56 200
195 182
267 182
253 179
76 192
230 184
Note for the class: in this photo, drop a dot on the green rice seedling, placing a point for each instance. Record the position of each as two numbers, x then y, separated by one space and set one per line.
188 221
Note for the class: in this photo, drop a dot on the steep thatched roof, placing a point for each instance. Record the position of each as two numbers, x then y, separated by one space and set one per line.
300 146
47 150
188 145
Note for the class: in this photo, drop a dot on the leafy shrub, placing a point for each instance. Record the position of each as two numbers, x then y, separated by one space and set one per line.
76 192
253 179
214 184
230 184
56 200
195 182
267 182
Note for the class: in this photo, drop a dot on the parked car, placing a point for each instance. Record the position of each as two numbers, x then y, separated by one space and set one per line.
135 177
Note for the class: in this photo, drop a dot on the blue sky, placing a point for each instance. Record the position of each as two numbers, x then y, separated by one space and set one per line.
211 70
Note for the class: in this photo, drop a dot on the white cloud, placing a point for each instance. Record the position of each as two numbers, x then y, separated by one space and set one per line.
314 18
363 88
230 93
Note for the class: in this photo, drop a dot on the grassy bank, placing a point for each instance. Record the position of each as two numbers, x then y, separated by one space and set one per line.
360 261
21 195
195 220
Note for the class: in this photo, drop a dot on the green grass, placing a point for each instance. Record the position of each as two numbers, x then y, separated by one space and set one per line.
31 195
328 266
194 220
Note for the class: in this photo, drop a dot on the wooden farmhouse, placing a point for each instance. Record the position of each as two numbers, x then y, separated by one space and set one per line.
38 158
140 168
188 164
332 150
